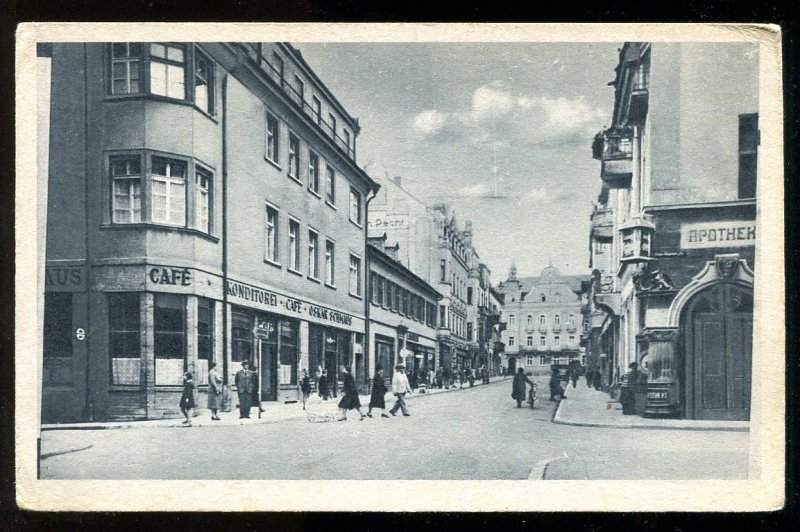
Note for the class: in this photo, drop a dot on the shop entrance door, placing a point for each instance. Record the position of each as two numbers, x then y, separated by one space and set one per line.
512 366
719 347
267 374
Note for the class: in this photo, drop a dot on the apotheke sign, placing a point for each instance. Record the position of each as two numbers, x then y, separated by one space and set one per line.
718 234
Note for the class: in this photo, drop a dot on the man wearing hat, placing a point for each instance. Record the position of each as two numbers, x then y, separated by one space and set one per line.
245 388
400 387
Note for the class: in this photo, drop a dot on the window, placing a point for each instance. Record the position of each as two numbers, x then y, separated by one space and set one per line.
542 361
332 122
277 65
169 338
168 70
124 338
294 245
169 191
529 361
317 104
511 319
469 331
355 275
330 185
299 88
530 320
202 194
346 138
469 295
571 339
271 235
510 341
557 320
205 338
542 341
542 320
241 336
355 206
391 295
126 179
294 156
544 298
442 316
373 288
748 154
58 338
530 341
556 341
272 138
571 321
126 64
329 266
313 254
313 172
443 270
203 82
380 287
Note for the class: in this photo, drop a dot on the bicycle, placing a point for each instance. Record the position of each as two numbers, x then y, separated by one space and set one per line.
532 396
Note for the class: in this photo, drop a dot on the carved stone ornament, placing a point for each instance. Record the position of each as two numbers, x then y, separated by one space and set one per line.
658 335
647 280
727 266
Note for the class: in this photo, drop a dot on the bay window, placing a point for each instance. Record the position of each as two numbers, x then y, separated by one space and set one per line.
203 83
202 188
168 70
126 64
169 191
126 183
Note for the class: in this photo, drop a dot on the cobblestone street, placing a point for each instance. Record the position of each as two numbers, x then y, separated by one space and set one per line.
473 433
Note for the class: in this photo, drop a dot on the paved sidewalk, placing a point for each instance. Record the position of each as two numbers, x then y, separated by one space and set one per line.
587 407
273 413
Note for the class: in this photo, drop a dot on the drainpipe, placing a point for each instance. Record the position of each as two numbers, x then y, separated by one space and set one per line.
225 382
367 286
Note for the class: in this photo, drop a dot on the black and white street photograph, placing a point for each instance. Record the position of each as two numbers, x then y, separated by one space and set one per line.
405 259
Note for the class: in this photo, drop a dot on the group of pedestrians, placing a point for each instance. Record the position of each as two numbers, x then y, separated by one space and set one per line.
521 381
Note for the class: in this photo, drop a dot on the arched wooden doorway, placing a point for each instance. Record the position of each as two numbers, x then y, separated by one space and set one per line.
718 345
512 365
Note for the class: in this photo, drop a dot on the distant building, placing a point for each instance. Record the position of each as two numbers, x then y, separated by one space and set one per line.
543 321
673 232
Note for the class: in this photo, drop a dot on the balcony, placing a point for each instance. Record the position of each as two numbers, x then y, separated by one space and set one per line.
571 327
640 92
603 223
556 328
542 328
614 148
346 146
530 328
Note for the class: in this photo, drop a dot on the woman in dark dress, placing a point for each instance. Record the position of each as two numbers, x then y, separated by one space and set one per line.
187 398
350 395
377 398
555 386
519 386
305 387
323 387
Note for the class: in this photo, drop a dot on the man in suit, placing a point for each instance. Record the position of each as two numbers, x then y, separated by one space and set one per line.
245 387
400 387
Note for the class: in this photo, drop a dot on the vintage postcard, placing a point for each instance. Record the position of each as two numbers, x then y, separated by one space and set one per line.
399 267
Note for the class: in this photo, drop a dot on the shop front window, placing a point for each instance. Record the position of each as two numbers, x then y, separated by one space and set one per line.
124 338
241 337
205 339
58 338
287 350
169 338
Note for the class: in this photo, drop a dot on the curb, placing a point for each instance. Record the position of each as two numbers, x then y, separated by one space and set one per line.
255 421
557 419
64 451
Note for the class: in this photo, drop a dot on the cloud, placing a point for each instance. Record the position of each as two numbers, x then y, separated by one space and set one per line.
497 115
429 122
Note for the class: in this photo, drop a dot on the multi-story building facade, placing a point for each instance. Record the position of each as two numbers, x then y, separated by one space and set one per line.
673 233
543 321
205 205
403 313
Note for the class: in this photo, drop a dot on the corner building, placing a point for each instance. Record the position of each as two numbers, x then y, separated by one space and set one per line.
674 228
205 205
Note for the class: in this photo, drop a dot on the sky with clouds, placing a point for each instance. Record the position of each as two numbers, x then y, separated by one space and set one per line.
500 131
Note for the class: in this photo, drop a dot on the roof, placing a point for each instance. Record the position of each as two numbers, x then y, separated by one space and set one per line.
527 283
400 269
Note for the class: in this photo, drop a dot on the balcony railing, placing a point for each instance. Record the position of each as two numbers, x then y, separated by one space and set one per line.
570 327
347 147
615 149
543 328
556 328
529 328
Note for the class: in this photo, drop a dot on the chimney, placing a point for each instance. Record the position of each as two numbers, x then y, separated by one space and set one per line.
398 180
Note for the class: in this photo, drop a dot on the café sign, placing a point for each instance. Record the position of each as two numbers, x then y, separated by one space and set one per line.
718 234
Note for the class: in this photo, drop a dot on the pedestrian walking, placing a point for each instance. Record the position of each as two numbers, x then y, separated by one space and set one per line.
519 388
589 376
377 398
305 387
431 378
187 398
574 376
597 378
214 390
349 399
555 385
323 386
460 377
439 378
400 388
412 380
244 389
471 377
